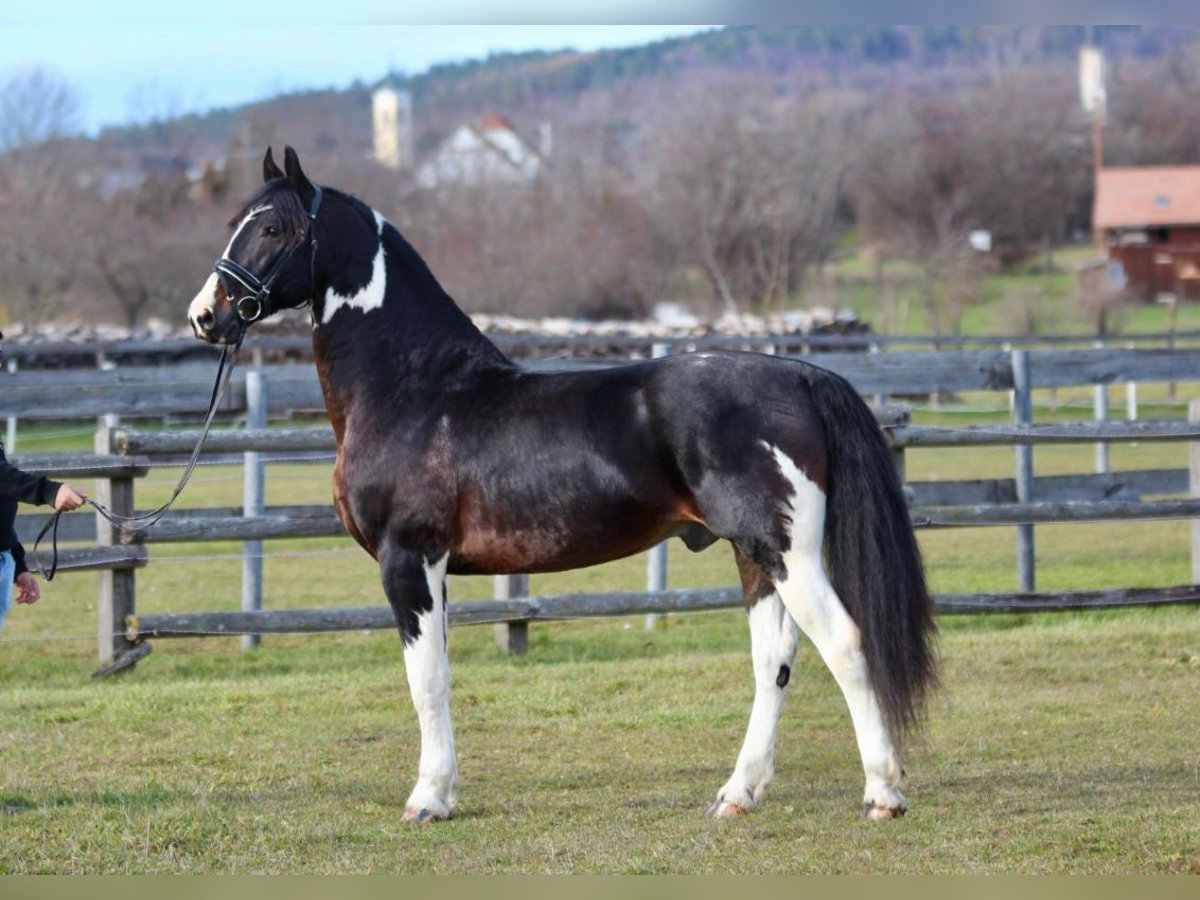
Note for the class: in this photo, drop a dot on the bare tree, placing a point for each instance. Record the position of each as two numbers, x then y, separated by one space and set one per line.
144 249
747 186
36 106
1011 159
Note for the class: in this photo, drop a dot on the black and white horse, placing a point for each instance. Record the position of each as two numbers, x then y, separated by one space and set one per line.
452 459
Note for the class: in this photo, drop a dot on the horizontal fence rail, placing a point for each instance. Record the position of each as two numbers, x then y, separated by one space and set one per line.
1058 433
170 351
561 607
150 391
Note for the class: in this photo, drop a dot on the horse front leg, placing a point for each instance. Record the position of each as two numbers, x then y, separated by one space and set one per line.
416 590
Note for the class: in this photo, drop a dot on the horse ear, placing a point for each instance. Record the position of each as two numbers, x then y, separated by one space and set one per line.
270 170
296 177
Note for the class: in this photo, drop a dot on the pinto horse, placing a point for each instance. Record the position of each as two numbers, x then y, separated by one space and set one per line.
453 459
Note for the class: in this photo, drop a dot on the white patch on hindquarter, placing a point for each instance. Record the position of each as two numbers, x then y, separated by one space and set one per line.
368 297
428 670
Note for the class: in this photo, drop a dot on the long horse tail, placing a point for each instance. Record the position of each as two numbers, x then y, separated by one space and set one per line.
872 554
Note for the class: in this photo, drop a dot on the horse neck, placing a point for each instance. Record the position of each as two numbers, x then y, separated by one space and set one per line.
404 335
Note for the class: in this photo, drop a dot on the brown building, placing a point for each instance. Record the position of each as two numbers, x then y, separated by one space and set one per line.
1150 220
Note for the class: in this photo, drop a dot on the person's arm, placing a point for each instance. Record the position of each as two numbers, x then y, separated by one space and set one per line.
36 489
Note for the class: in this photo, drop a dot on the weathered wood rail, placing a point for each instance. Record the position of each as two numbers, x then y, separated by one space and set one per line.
151 391
124 455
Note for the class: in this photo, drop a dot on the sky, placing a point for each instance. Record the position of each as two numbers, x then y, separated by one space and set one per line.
143 60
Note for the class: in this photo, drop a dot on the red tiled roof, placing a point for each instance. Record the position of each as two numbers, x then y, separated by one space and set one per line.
1147 196
494 121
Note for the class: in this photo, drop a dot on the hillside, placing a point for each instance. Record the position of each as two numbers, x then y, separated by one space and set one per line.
577 88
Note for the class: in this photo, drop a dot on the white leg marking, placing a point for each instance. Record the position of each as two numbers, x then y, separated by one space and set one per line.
428 670
773 646
815 606
370 295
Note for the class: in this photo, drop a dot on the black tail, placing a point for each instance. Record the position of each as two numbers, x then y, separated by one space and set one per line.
872 554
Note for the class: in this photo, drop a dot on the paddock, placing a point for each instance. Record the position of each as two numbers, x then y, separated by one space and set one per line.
125 455
1059 743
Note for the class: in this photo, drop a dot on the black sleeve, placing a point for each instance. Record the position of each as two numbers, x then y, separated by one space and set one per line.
18 554
17 485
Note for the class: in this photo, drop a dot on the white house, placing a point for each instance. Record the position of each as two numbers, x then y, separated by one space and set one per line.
488 151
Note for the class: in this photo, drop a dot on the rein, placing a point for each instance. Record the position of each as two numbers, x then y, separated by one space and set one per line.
140 522
250 307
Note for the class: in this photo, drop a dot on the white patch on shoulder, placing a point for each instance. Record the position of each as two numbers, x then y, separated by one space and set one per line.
370 295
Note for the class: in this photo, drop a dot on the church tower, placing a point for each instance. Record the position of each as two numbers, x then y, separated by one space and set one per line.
391 115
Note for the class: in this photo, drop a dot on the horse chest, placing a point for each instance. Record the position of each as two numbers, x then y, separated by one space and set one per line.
383 494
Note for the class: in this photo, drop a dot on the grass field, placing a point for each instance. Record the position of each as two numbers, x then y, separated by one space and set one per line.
1059 743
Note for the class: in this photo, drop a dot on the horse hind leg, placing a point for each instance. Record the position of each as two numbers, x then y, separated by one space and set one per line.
773 649
817 609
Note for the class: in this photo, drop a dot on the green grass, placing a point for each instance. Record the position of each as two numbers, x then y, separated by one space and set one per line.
1060 742
1008 302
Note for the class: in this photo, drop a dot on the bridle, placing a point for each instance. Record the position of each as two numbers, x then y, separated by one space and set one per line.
255 302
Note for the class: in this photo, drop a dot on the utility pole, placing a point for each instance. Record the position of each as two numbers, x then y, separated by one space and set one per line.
1093 98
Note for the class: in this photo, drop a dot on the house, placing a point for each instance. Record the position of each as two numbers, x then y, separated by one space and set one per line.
1149 217
487 151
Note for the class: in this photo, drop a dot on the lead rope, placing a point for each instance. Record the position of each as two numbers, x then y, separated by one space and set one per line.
143 521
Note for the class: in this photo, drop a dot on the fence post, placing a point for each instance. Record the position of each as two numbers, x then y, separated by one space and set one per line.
656 559
898 449
10 436
116 598
511 637
1023 465
254 474
1100 414
1131 403
1194 482
108 420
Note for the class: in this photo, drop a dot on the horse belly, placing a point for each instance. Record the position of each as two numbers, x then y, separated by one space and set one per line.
568 533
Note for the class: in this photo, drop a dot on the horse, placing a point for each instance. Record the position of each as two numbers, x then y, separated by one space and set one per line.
451 458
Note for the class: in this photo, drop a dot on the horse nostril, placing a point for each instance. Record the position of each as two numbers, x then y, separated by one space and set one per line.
206 320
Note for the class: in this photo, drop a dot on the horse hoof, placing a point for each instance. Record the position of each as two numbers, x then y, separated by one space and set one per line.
419 816
723 809
876 813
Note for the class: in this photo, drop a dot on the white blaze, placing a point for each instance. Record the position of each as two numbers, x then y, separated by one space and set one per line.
204 299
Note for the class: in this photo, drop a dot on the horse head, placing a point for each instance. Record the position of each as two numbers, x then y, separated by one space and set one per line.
264 267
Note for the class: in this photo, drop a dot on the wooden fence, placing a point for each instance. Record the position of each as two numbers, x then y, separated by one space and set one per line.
123 455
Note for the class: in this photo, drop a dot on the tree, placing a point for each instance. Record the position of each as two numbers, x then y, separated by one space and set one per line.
1011 159
36 106
747 187
145 248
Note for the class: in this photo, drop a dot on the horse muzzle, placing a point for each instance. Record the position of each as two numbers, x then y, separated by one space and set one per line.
211 316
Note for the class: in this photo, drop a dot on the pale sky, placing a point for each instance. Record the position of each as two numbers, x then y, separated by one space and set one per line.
141 59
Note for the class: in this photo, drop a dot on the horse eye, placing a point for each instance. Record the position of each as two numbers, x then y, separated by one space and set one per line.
270 231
